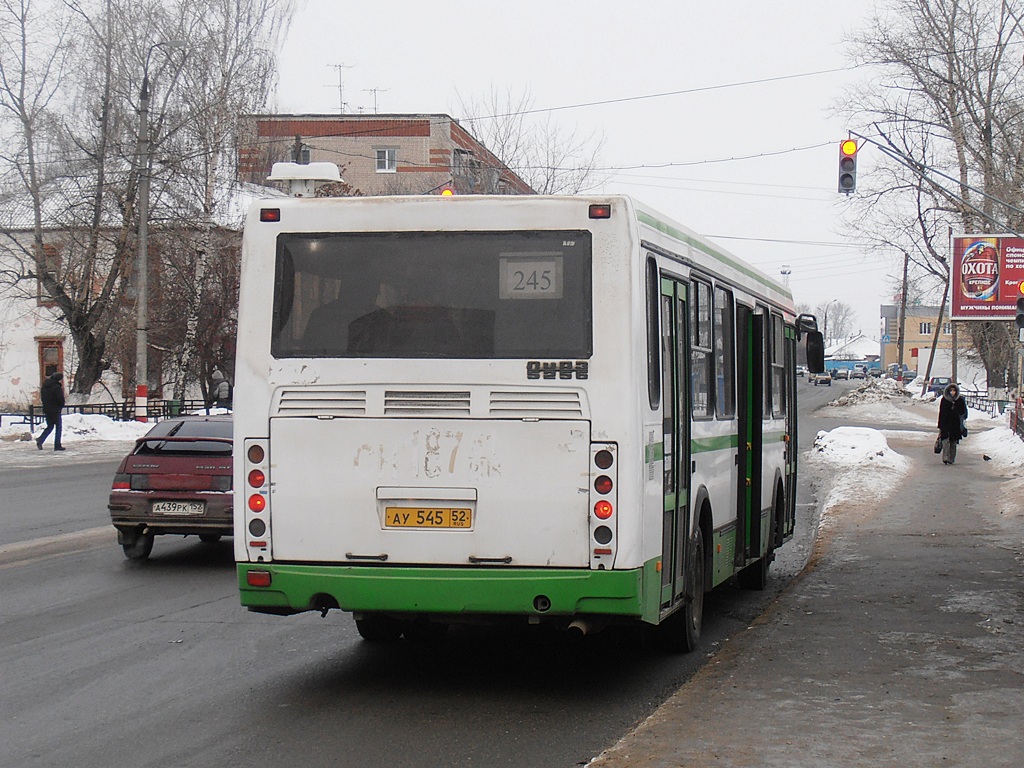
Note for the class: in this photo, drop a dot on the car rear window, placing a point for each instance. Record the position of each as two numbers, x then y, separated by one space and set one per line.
195 430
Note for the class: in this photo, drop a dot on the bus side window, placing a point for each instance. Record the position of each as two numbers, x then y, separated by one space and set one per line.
725 354
701 356
653 337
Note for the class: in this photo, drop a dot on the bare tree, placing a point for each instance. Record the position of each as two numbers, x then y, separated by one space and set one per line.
836 319
947 106
78 103
551 159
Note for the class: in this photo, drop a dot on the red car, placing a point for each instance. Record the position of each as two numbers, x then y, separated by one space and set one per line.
177 480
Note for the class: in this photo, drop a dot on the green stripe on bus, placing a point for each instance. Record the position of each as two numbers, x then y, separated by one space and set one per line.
706 444
498 591
725 258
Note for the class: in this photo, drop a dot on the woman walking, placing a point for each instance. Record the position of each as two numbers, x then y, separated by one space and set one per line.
952 414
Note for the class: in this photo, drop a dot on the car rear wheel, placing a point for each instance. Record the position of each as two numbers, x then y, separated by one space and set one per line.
139 547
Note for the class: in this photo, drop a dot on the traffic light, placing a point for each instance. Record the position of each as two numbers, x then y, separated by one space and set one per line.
847 166
1020 312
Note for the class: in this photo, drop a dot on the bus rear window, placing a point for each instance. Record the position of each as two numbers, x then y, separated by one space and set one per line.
433 295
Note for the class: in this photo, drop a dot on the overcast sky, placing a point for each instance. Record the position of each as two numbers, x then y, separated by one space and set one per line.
737 140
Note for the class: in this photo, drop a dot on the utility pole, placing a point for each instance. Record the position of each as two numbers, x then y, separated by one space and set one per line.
902 330
142 261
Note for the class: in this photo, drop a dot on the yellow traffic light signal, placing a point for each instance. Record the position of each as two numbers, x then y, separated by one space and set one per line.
847 166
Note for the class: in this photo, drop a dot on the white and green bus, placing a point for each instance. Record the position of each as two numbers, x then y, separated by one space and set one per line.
563 410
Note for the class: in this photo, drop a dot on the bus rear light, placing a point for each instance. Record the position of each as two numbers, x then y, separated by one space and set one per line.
258 544
257 578
257 502
270 214
256 454
601 211
603 551
603 459
257 478
603 484
603 510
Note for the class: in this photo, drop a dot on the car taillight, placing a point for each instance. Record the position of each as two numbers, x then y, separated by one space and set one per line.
140 482
121 482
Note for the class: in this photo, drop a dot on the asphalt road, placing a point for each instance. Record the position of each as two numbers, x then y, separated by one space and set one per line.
108 663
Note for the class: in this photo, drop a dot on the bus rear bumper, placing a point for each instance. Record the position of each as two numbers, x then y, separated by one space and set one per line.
529 592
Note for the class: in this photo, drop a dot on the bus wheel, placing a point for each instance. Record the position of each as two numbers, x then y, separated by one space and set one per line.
139 547
379 629
680 632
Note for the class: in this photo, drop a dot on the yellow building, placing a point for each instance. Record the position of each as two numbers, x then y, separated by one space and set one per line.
919 329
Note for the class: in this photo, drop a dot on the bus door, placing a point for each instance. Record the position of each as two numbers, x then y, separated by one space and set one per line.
750 348
675 410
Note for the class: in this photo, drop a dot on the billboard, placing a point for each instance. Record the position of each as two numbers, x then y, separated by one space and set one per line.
988 277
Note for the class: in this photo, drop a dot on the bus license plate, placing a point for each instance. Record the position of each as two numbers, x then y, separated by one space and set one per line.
432 517
178 508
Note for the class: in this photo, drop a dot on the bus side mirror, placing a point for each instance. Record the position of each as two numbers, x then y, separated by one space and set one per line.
815 351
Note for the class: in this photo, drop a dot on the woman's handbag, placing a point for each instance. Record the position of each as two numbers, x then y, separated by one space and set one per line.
938 445
963 426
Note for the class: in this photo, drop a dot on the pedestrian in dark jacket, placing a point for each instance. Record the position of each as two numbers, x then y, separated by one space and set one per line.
952 414
52 395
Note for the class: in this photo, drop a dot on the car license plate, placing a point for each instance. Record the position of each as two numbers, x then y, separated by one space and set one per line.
178 507
428 517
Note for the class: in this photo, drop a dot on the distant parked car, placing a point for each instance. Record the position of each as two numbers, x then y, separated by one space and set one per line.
824 378
938 384
875 373
801 370
842 373
177 480
859 371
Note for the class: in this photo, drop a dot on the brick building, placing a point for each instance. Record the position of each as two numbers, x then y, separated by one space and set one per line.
379 154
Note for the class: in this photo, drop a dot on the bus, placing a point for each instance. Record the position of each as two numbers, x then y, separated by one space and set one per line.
568 411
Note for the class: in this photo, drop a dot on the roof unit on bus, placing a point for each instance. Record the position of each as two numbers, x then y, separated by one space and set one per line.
302 178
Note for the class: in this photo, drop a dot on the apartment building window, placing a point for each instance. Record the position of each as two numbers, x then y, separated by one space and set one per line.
387 160
925 328
947 329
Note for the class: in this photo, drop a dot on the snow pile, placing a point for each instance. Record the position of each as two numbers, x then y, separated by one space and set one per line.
880 401
873 391
856 447
77 426
859 463
999 445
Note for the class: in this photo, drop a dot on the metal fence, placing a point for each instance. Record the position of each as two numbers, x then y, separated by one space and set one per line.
977 401
156 410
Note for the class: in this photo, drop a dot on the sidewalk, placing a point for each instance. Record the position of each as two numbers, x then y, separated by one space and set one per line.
901 644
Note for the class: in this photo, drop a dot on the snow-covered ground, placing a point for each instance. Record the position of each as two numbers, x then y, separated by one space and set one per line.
859 460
